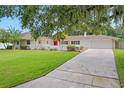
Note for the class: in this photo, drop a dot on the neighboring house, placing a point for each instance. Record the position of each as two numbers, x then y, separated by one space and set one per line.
88 41
2 46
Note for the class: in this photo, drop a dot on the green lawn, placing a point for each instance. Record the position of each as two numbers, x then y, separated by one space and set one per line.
19 66
119 57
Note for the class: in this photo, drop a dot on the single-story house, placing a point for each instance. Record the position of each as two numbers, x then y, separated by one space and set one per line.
88 41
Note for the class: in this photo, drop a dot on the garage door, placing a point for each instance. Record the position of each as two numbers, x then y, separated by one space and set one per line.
101 44
97 43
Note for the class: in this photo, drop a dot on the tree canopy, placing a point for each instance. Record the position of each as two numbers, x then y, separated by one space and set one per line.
10 35
48 20
4 37
14 36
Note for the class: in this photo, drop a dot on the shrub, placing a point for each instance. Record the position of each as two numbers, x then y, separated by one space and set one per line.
81 47
9 47
53 49
28 47
71 48
74 48
43 48
24 47
77 48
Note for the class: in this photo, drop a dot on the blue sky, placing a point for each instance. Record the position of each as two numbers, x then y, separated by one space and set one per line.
15 22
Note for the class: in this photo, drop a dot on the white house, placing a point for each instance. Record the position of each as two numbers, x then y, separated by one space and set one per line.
88 41
4 45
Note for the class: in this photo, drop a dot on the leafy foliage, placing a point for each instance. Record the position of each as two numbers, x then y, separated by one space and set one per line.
4 36
14 36
121 34
59 36
48 20
7 11
51 19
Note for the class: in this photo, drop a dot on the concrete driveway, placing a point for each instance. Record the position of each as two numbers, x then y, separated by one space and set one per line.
92 68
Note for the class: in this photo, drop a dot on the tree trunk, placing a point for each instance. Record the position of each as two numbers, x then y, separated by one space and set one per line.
35 47
14 46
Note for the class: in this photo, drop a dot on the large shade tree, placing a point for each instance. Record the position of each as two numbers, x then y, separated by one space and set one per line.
69 18
46 20
7 11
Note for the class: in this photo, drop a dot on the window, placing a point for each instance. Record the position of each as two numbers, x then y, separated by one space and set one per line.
17 42
75 42
64 42
28 42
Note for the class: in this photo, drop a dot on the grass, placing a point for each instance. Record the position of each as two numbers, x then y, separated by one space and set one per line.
19 66
119 57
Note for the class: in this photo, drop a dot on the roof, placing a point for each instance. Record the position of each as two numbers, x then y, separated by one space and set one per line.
27 36
90 37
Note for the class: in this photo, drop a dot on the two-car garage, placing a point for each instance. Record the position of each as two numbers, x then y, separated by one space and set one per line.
95 41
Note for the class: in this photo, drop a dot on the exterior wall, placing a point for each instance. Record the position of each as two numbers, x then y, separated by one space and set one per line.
18 46
86 43
44 43
34 45
62 47
47 43
120 44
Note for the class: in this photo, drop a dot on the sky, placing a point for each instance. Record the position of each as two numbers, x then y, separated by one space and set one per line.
15 22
